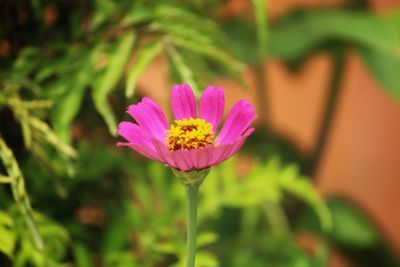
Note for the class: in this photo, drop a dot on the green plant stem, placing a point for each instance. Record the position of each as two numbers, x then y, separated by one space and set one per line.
277 218
260 12
330 109
19 191
192 198
262 95
5 179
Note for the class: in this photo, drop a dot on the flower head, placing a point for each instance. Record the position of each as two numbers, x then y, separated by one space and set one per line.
191 142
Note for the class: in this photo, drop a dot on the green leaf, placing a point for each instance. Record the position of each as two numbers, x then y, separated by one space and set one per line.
68 105
204 259
247 49
350 226
211 51
203 37
82 255
105 84
174 16
138 13
305 190
48 135
19 192
103 10
182 68
120 259
295 37
54 235
28 59
115 236
144 58
7 235
206 238
65 110
385 68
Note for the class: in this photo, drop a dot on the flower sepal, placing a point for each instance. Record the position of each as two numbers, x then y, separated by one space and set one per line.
191 178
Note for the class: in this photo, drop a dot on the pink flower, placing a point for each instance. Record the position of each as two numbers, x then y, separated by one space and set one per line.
190 143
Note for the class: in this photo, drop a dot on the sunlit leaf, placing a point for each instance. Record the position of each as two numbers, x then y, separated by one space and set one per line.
47 134
138 13
118 58
206 238
7 234
19 191
182 68
215 53
143 59
120 259
203 37
103 10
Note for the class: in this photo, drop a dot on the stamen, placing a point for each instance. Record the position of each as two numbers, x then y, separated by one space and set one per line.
189 134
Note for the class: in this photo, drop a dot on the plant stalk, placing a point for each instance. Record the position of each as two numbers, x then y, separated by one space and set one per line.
19 191
261 16
192 198
330 109
262 95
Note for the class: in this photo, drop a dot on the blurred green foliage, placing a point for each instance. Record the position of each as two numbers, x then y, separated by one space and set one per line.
66 66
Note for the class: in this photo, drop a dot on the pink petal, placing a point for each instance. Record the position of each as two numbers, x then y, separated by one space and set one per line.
212 103
150 117
208 156
164 153
202 157
143 150
237 145
137 139
133 133
183 102
218 154
182 159
239 119
178 159
197 159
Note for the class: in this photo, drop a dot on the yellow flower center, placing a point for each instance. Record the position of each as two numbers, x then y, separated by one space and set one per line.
189 134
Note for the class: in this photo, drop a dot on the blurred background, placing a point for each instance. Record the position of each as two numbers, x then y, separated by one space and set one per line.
317 184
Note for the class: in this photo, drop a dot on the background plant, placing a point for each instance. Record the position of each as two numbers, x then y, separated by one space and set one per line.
67 67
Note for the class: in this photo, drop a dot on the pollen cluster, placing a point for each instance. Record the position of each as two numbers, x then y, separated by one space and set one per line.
189 134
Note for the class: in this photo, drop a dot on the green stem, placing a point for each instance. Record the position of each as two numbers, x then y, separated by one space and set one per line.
5 179
276 218
262 95
260 12
326 124
19 191
192 198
